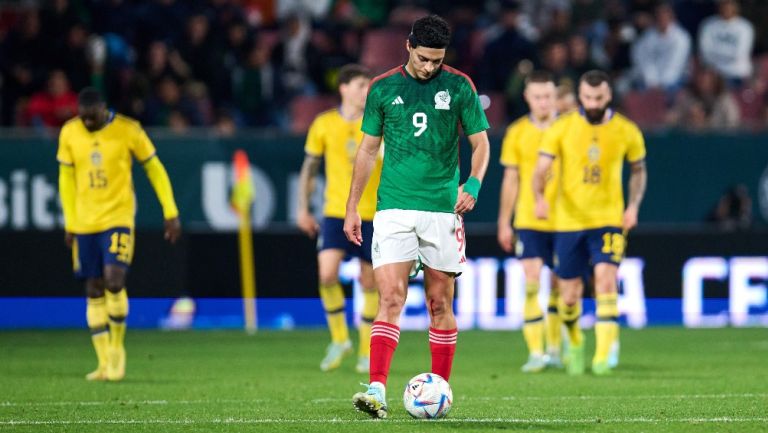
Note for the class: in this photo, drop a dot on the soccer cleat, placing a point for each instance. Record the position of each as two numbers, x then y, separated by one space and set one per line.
535 364
553 360
601 369
99 374
372 401
576 360
613 355
334 354
363 364
116 364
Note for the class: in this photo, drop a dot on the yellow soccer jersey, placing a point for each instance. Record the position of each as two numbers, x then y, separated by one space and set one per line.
336 139
102 163
520 149
592 159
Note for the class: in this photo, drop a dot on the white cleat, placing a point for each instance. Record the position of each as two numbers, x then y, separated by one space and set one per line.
535 364
363 364
613 355
334 354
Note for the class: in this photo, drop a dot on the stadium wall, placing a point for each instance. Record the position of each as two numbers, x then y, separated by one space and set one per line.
687 175
689 277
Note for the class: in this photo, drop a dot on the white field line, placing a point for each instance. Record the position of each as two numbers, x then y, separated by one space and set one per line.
246 421
333 400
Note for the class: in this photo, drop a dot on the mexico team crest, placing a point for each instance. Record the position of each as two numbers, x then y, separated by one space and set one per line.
443 100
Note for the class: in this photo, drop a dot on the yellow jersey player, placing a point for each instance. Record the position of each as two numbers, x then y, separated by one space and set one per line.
592 145
95 156
334 136
535 238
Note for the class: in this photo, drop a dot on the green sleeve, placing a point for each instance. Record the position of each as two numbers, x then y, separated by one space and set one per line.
472 115
373 117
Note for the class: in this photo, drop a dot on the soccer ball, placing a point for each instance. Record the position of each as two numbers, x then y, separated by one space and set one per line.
428 396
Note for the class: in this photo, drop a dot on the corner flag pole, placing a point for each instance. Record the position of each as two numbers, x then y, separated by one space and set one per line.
242 199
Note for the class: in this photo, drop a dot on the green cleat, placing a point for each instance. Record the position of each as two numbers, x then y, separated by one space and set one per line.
372 401
576 365
535 364
334 355
601 369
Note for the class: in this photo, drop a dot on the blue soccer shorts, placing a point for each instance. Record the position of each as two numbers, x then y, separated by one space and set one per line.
578 251
91 252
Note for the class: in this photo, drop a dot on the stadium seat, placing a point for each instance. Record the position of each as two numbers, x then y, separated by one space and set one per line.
750 105
305 108
647 108
383 49
496 113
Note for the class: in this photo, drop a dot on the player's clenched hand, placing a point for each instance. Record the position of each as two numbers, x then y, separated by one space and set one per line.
69 239
307 223
542 209
172 228
353 227
464 202
630 218
505 235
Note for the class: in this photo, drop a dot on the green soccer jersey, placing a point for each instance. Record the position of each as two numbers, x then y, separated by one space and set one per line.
419 121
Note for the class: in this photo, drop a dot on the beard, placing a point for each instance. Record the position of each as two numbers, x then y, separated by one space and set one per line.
595 115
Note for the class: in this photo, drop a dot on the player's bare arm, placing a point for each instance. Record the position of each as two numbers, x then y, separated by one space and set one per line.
304 218
364 160
507 201
638 179
543 165
480 156
172 229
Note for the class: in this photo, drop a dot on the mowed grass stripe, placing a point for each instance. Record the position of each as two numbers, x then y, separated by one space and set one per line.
245 421
333 400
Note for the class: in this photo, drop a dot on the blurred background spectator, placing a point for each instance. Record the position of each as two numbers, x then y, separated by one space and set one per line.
733 211
705 104
269 63
725 43
660 55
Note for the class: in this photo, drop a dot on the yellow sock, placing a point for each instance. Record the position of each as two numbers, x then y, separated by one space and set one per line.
117 308
96 316
570 315
533 328
333 303
606 328
370 309
553 323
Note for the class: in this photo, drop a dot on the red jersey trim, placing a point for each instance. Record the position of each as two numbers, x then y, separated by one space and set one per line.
389 73
455 71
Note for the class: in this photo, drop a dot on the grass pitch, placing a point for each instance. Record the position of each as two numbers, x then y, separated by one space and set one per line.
669 380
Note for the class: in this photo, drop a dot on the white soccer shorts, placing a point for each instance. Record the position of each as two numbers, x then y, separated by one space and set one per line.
405 235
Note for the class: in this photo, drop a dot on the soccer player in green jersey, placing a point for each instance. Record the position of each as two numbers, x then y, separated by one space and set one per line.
417 109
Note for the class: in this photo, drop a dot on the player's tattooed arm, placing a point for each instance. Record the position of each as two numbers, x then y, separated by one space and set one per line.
304 218
638 179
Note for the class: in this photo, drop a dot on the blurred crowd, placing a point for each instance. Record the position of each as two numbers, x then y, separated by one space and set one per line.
231 64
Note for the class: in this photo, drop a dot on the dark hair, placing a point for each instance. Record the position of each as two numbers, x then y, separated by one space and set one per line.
351 71
539 76
595 78
89 97
431 31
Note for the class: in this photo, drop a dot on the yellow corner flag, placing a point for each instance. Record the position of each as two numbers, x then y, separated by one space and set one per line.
242 199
